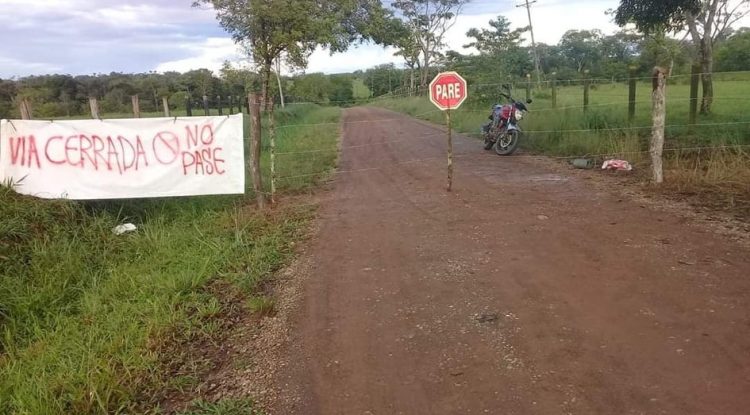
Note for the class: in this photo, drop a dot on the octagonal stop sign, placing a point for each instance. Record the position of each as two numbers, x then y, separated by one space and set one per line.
448 90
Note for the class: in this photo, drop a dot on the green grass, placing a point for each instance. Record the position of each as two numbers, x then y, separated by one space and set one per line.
720 172
91 322
262 305
224 407
557 131
304 149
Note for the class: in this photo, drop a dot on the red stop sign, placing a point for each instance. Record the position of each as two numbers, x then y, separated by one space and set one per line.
448 90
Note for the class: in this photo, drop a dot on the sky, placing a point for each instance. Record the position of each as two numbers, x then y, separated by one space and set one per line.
102 36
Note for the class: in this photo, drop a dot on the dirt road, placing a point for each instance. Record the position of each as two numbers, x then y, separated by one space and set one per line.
522 292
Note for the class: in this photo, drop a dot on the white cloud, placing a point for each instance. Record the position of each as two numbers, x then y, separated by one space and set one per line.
210 54
360 57
16 68
85 36
551 19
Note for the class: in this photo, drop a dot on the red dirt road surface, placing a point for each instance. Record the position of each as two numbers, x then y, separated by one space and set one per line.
524 291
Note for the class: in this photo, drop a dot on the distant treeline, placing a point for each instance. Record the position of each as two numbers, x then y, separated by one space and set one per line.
501 56
66 95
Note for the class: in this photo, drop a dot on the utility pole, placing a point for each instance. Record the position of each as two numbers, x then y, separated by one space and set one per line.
533 42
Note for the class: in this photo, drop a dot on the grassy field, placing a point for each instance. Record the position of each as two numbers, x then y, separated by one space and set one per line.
91 322
720 172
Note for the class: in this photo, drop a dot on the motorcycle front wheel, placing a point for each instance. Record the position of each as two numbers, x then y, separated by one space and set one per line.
507 143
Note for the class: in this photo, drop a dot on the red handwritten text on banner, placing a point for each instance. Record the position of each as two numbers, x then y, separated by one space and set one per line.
135 149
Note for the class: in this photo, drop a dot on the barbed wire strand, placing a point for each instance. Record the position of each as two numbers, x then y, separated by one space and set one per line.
460 155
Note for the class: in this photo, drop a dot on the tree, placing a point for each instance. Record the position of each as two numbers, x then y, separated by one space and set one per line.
497 41
408 48
200 82
501 58
292 29
237 81
428 21
8 90
315 87
663 51
734 54
618 51
382 79
706 21
650 16
582 48
552 60
342 90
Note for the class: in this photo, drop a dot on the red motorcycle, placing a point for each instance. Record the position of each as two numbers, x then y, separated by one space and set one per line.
503 132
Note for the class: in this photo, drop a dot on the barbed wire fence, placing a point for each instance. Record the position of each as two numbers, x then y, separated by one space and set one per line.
294 167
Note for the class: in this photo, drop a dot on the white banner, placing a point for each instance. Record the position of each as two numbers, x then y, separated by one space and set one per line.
127 158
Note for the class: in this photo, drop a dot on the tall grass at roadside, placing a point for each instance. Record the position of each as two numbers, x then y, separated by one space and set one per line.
720 178
304 150
91 322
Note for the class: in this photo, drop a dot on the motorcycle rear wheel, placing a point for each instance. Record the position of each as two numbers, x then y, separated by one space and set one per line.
507 143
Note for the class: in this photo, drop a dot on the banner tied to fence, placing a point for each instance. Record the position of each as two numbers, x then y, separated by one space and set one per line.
127 158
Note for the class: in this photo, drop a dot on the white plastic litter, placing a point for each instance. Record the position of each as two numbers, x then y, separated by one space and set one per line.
621 165
124 228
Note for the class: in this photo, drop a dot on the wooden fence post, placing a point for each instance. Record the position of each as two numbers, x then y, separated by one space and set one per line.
230 100
272 136
554 89
631 93
659 114
25 107
165 104
206 110
94 105
218 104
695 79
528 87
255 143
136 106
450 149
586 86
189 107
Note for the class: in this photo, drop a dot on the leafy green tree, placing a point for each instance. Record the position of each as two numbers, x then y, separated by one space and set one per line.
706 21
497 40
315 87
427 22
663 51
552 60
382 79
237 81
292 29
650 16
8 90
582 49
199 82
408 48
734 54
342 89
500 50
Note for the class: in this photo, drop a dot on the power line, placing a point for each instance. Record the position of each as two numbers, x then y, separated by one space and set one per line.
533 41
